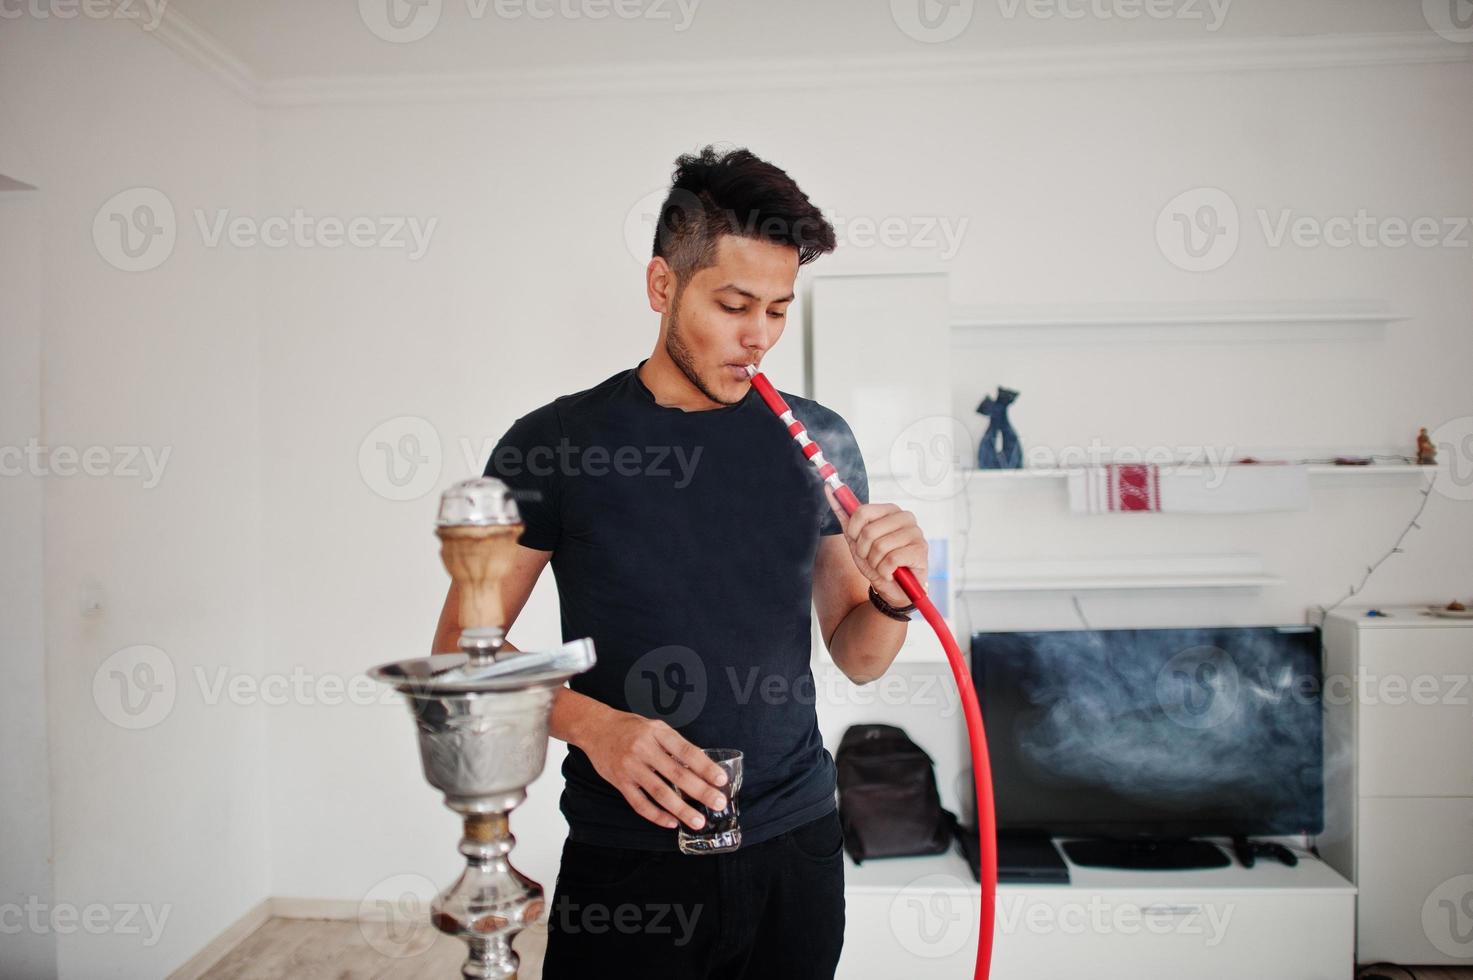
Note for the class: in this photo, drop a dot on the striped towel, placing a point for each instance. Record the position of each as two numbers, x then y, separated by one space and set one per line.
1233 489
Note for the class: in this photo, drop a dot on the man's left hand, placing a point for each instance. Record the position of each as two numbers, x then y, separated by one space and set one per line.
882 538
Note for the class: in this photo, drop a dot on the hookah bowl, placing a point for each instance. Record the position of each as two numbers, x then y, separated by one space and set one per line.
482 719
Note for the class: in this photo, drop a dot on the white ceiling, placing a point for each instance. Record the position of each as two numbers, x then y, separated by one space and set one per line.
284 39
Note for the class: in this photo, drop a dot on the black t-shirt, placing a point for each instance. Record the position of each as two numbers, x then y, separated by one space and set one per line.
683 544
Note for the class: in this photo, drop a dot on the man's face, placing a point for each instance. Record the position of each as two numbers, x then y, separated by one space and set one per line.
730 313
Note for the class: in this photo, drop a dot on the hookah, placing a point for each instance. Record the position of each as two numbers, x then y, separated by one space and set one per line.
905 578
482 720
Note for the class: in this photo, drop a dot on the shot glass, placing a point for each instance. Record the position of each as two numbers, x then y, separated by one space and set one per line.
722 831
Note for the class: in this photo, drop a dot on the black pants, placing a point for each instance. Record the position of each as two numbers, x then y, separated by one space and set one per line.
763 912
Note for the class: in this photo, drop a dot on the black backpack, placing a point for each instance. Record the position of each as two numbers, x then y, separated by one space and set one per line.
887 795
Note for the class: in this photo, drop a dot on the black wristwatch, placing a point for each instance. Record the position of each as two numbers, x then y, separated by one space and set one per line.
878 601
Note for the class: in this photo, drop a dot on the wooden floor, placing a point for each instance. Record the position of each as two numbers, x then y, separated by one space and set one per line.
322 949
353 950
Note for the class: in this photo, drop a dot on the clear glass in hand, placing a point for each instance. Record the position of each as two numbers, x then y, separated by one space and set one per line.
722 830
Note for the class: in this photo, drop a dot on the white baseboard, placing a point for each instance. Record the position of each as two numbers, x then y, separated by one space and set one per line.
216 949
314 908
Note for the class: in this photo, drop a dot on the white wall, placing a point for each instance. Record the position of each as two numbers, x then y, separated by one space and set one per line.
167 820
275 547
528 291
25 806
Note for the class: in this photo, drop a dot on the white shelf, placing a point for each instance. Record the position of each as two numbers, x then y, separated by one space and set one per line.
982 477
1121 582
1236 323
1240 571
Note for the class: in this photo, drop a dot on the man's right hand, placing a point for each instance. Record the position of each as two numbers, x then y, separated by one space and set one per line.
642 757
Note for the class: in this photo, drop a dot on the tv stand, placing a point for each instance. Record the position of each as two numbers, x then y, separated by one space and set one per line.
1146 855
917 917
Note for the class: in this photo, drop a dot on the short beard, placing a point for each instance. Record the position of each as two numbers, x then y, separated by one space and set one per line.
680 354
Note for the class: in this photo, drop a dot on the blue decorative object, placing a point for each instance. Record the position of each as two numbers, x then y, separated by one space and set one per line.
991 456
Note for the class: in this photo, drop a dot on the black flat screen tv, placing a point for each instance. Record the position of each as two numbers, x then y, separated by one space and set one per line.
1154 733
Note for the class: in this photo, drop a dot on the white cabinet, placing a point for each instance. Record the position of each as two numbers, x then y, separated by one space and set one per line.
879 348
1399 780
917 917
880 357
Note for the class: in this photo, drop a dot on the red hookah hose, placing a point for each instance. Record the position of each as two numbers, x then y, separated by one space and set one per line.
976 735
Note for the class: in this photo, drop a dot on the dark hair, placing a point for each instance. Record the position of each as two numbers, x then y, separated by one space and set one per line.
734 193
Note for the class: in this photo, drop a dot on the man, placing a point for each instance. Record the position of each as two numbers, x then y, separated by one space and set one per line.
691 540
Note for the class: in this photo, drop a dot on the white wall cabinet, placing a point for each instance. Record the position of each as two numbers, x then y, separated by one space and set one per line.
1399 780
880 358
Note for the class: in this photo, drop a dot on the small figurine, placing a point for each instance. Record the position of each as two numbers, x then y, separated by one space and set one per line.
1009 456
1426 451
